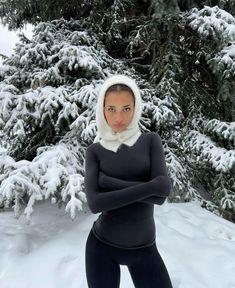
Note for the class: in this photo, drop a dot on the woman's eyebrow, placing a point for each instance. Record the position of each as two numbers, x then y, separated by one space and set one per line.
114 106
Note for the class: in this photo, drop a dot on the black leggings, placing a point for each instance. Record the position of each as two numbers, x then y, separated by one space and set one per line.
145 265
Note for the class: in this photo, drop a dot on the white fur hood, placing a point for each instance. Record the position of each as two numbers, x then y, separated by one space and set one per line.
109 139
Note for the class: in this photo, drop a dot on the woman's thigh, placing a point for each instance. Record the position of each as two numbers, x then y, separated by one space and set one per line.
149 270
101 270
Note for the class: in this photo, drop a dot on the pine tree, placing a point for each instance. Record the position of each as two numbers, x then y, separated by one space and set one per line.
182 60
47 95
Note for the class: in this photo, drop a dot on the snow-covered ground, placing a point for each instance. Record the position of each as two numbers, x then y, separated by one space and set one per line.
197 247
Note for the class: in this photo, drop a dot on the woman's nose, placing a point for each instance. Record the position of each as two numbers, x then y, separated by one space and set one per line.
118 117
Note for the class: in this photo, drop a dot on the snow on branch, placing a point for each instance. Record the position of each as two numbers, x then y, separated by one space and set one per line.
213 21
224 61
223 130
221 159
52 174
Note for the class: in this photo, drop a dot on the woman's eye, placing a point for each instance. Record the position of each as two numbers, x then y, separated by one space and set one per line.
113 110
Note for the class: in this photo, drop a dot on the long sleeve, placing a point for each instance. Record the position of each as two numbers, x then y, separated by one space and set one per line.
158 168
112 183
99 201
158 174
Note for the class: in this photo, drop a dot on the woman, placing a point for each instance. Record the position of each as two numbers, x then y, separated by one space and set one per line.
125 175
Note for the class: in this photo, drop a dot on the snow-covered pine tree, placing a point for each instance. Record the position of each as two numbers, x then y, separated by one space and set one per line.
186 70
49 87
212 138
47 95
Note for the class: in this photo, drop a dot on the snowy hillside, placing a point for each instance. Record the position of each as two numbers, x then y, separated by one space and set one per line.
197 247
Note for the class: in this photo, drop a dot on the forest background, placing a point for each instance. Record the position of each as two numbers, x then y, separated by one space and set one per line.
182 56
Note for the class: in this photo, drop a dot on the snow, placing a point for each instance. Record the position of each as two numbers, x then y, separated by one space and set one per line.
197 247
224 62
213 20
216 22
219 158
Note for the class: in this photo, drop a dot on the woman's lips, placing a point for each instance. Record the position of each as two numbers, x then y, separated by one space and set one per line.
119 125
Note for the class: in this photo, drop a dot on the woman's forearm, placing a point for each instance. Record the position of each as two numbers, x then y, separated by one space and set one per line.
108 182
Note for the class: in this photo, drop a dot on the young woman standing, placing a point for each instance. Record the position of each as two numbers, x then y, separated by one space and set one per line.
125 175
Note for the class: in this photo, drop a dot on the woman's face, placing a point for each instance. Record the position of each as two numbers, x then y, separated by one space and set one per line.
119 109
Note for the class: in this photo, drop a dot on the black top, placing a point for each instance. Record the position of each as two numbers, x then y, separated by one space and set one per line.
124 185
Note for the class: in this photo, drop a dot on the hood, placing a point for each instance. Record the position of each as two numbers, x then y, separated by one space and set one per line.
109 139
